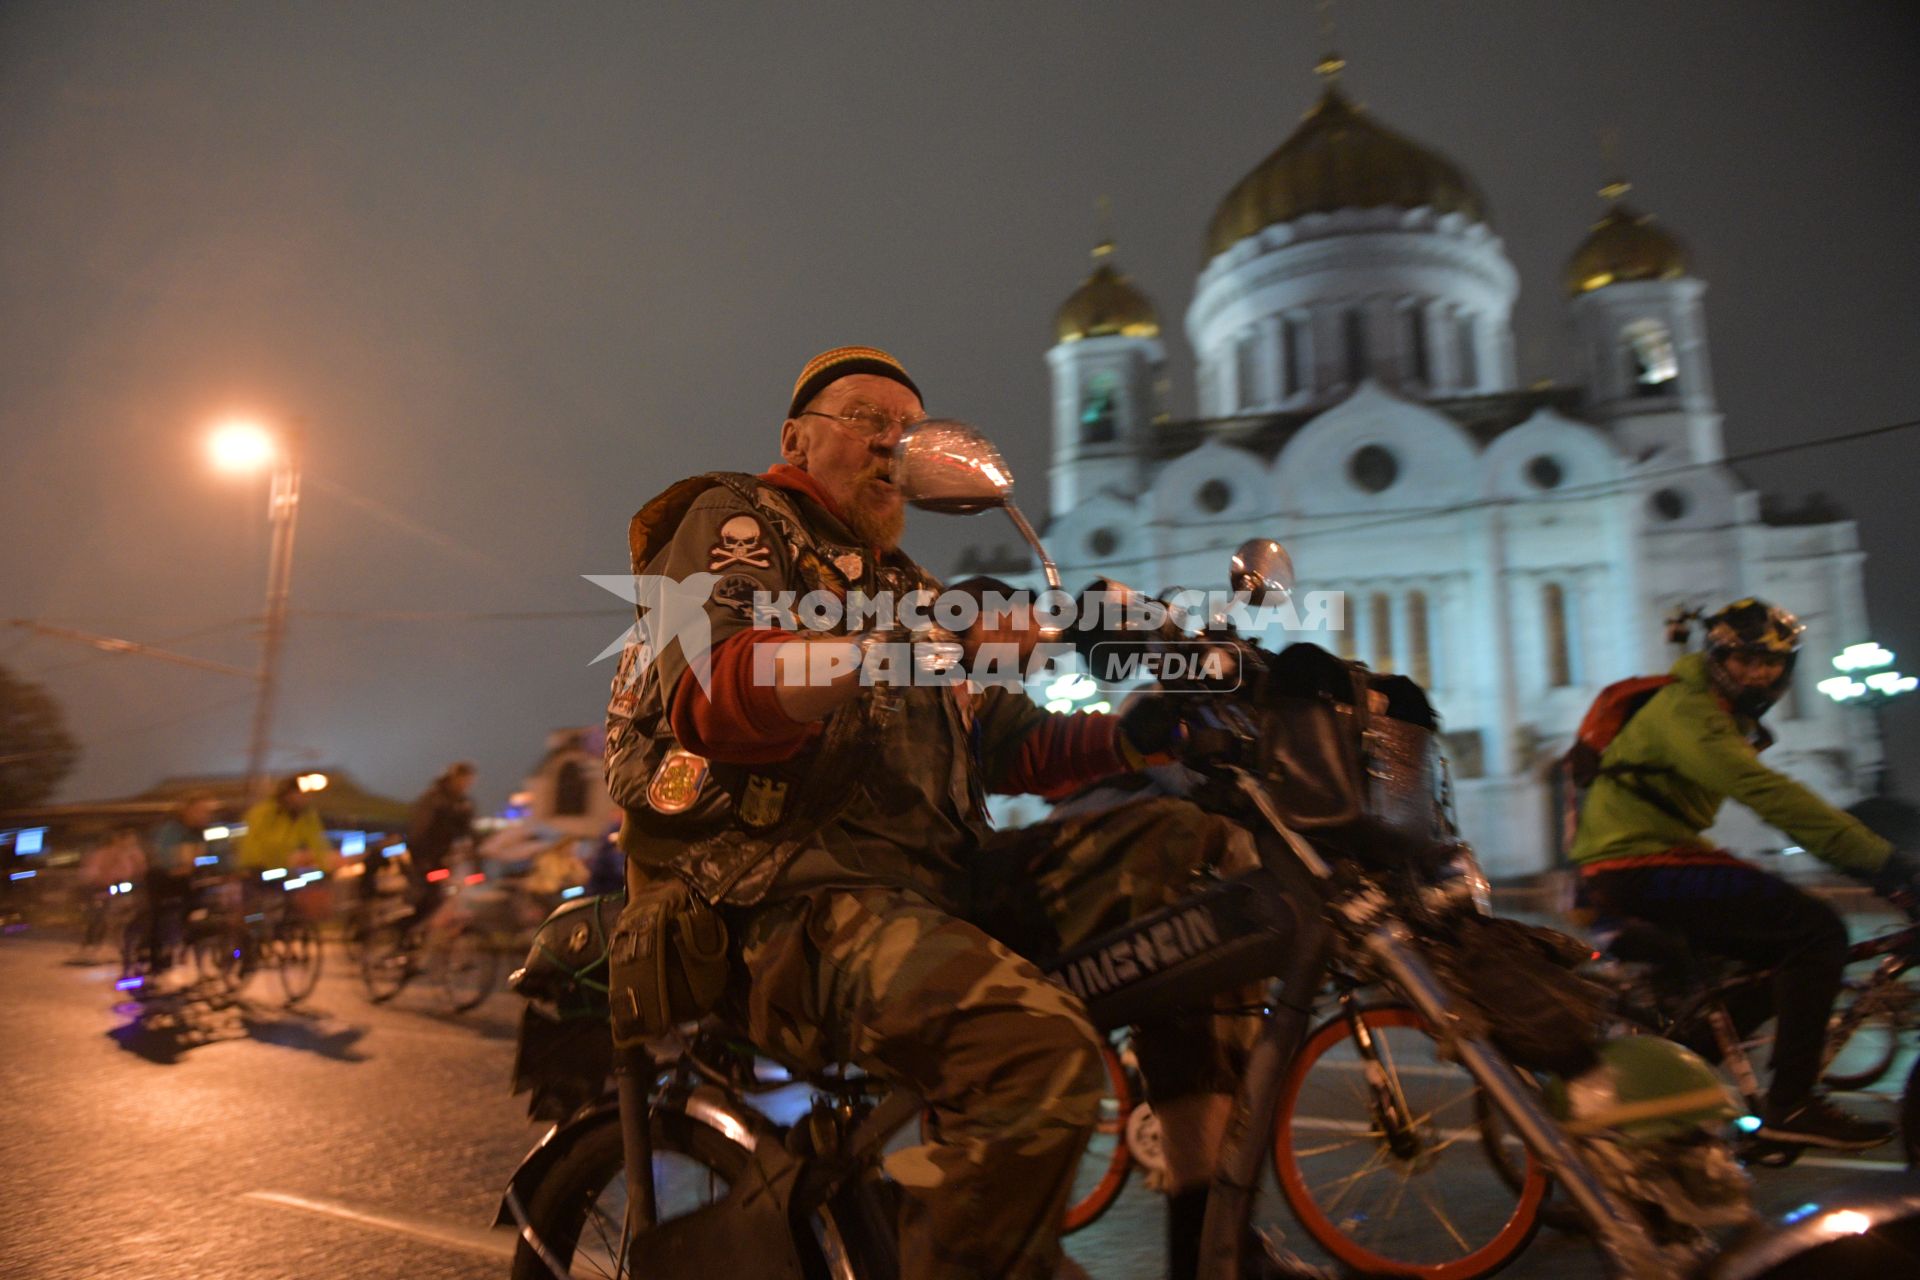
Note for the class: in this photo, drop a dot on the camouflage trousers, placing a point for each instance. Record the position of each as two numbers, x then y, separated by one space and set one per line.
951 1008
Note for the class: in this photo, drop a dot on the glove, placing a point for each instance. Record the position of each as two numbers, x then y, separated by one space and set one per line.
1152 726
1899 876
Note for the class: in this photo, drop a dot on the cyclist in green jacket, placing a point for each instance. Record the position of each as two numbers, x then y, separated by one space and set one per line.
1642 854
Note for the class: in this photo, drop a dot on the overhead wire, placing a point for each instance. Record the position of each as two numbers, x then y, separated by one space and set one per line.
1600 488
1596 488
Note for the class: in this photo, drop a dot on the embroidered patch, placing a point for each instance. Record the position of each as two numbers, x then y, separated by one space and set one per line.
742 543
851 564
736 592
635 658
763 801
676 782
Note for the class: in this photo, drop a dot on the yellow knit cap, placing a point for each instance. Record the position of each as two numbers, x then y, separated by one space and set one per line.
839 363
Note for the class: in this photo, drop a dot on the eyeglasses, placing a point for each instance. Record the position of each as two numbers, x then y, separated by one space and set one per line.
870 423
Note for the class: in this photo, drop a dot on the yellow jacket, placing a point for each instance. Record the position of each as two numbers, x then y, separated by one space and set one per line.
273 836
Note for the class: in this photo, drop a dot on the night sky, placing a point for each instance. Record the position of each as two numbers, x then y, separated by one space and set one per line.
518 267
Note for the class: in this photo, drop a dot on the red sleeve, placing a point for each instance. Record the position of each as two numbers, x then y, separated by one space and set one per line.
733 719
1064 753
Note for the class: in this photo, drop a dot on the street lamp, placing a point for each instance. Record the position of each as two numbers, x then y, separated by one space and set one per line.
246 447
1867 679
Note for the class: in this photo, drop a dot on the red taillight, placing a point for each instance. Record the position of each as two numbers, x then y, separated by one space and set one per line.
435 877
477 877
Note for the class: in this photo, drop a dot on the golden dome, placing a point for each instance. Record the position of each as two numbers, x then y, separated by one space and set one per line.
1340 158
1106 304
1623 246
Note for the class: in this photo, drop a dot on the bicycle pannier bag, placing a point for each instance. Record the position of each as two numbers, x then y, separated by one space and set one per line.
669 961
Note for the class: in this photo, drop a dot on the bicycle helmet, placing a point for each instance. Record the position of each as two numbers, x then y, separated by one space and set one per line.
1752 627
1645 1089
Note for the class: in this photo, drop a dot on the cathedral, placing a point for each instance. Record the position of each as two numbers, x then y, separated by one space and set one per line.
1514 548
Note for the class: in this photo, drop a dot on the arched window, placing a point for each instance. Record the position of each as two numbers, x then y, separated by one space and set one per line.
1469 357
1651 362
1553 610
1097 410
1246 371
1419 645
1380 632
1293 355
1356 335
1415 318
570 791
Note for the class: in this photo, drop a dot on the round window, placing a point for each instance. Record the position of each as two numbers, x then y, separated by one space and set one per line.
1373 468
1103 542
1214 496
1545 472
1668 504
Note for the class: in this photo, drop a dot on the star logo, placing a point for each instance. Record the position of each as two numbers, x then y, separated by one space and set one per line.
670 609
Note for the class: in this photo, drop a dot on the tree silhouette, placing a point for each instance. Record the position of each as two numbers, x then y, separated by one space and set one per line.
36 751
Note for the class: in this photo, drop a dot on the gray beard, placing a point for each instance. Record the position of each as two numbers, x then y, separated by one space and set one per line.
877 526
879 529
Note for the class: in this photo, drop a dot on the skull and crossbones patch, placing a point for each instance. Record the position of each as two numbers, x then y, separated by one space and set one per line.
743 543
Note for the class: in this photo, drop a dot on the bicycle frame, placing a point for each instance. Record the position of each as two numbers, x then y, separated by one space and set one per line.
789 1186
1388 942
1898 951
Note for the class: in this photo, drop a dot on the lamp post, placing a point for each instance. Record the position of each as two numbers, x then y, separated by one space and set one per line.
247 447
1867 678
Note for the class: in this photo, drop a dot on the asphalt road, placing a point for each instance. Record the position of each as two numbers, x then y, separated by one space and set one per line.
344 1141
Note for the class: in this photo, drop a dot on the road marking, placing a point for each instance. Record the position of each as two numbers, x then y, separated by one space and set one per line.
1849 1162
494 1244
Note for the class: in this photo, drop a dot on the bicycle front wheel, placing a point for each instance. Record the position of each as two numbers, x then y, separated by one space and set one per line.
468 966
1108 1161
230 957
578 1212
1413 1195
386 962
297 956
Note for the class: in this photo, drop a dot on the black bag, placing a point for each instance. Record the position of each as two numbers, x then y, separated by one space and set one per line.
1520 979
566 966
669 962
1355 757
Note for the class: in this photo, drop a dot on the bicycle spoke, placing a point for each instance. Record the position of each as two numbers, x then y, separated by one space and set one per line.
1429 1193
1346 1182
609 1247
1399 1194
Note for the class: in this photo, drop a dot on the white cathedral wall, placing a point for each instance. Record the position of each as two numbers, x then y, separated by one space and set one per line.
1315 270
1488 633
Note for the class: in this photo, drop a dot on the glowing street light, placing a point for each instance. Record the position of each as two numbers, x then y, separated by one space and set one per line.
244 446
1867 679
1863 657
1866 674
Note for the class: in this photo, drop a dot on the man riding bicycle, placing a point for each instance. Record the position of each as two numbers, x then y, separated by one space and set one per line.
172 851
1662 780
873 918
442 817
283 832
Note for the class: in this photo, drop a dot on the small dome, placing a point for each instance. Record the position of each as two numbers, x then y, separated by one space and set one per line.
1106 304
1624 246
1340 158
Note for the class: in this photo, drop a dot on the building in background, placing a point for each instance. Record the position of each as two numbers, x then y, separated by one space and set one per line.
1513 548
567 793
